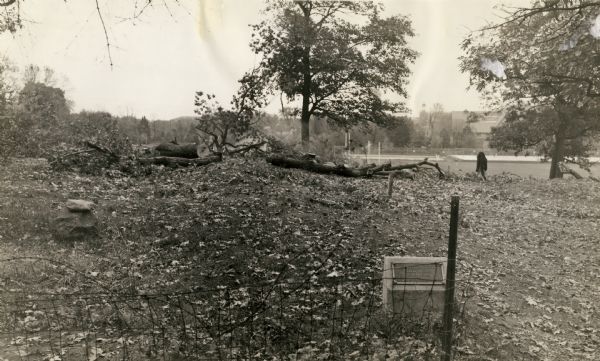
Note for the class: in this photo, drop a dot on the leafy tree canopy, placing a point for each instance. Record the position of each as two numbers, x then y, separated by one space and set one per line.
227 130
541 64
336 57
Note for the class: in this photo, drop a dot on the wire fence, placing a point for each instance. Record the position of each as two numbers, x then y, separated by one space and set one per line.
330 318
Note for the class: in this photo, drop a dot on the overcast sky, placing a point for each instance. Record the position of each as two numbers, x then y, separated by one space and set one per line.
162 58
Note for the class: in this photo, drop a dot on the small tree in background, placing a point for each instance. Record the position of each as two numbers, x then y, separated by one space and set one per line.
32 116
473 117
41 113
400 131
229 131
467 138
144 130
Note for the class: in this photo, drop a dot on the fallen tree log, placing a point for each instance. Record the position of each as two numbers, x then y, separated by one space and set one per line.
180 162
186 150
312 166
416 166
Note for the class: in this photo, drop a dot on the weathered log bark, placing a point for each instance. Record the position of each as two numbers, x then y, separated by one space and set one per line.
186 150
180 162
312 166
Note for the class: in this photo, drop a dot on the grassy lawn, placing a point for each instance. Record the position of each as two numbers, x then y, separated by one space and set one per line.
528 269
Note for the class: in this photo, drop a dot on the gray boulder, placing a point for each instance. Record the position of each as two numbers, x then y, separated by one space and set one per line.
75 222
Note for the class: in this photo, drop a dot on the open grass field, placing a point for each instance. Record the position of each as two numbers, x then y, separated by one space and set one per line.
528 263
523 169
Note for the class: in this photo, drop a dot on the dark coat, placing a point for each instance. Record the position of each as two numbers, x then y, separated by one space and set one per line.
481 162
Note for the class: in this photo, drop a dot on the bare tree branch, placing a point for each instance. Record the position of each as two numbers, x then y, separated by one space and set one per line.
105 33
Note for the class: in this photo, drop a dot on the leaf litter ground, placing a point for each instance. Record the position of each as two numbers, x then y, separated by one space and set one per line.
528 256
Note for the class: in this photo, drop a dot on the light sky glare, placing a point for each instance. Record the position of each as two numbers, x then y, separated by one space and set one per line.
161 59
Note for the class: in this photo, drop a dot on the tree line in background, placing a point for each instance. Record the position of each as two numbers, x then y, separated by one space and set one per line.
339 71
399 132
37 121
538 64
311 52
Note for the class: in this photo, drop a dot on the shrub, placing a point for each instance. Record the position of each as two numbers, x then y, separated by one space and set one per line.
94 145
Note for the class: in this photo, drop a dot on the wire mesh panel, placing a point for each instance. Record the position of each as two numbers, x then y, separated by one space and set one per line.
414 285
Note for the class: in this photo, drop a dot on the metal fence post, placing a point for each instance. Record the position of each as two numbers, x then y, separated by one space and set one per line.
450 282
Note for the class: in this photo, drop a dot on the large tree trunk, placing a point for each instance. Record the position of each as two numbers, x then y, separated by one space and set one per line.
557 154
306 84
305 116
304 122
186 150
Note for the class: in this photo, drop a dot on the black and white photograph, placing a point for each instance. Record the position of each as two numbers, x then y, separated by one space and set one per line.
299 180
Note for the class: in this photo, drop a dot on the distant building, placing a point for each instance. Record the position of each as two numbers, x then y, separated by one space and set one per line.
480 122
448 129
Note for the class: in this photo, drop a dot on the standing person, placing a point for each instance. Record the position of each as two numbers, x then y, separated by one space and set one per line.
481 165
